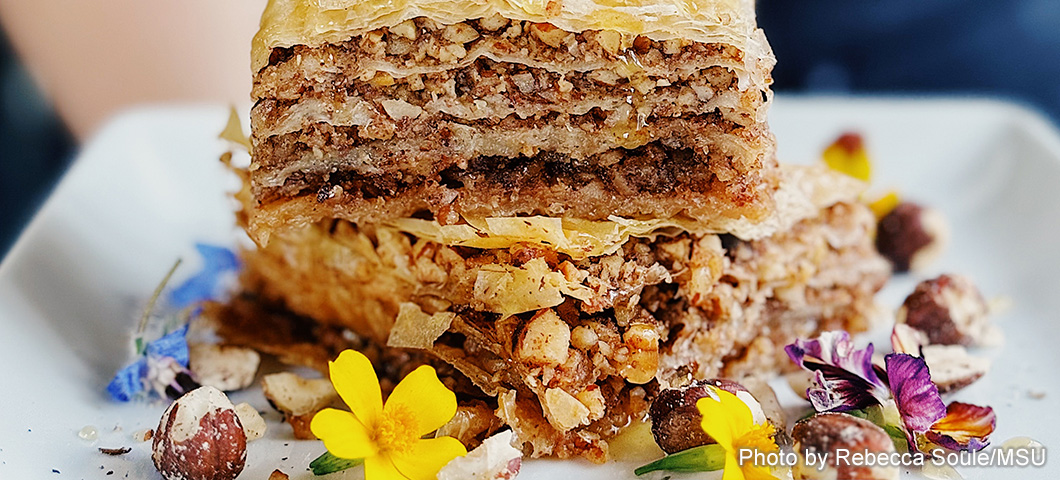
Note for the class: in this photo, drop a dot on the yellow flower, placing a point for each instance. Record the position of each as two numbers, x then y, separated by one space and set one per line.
388 437
848 155
730 423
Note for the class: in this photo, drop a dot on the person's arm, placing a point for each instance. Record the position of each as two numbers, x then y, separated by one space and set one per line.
94 57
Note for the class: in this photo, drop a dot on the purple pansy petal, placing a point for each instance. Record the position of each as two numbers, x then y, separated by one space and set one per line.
128 383
838 390
965 427
845 377
173 344
203 285
916 396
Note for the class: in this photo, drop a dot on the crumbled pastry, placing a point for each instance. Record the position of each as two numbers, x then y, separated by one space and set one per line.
952 368
911 236
826 433
415 329
200 437
495 459
224 367
253 424
299 399
951 311
675 419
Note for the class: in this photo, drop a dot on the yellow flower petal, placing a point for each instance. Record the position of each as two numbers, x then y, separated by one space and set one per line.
343 435
732 467
423 396
724 420
848 155
428 456
757 473
883 205
379 467
355 380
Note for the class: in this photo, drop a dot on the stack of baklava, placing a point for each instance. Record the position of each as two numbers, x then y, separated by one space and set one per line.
564 204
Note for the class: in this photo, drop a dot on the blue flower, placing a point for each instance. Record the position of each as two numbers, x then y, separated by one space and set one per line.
203 285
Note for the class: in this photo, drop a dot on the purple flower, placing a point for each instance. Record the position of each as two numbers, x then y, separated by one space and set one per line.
844 377
917 398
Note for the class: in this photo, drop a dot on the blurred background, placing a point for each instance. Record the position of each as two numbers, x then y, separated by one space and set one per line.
68 65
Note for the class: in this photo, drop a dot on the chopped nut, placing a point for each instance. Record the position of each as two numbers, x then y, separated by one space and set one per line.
911 236
826 433
952 368
253 424
278 475
299 399
472 420
460 33
609 40
400 109
406 29
493 22
200 438
549 34
495 459
675 420
643 360
950 310
593 399
225 367
545 340
563 410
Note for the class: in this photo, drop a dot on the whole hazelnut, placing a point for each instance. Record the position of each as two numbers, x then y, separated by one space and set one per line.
827 434
675 420
911 236
200 437
950 310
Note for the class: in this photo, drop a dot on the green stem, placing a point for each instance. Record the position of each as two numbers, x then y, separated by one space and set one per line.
705 458
151 306
328 463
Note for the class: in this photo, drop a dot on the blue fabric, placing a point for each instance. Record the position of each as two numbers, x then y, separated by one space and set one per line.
1003 48
203 285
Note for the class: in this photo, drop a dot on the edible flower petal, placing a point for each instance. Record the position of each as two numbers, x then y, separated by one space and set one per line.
728 420
917 398
204 284
848 155
885 204
906 339
162 368
844 377
388 436
965 427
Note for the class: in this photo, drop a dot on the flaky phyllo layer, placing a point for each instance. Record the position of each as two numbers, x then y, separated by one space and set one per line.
574 109
567 338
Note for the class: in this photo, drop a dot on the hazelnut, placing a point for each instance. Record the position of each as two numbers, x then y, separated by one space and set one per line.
952 368
950 310
911 236
225 367
675 420
826 434
299 399
200 437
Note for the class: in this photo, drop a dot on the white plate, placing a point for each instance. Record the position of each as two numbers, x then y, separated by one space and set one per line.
150 185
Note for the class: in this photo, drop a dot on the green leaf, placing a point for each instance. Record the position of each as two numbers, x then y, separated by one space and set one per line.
705 458
328 463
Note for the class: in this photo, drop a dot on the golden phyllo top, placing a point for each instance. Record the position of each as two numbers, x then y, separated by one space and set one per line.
287 23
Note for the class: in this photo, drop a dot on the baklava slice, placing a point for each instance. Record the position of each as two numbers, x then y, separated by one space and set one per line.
367 111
